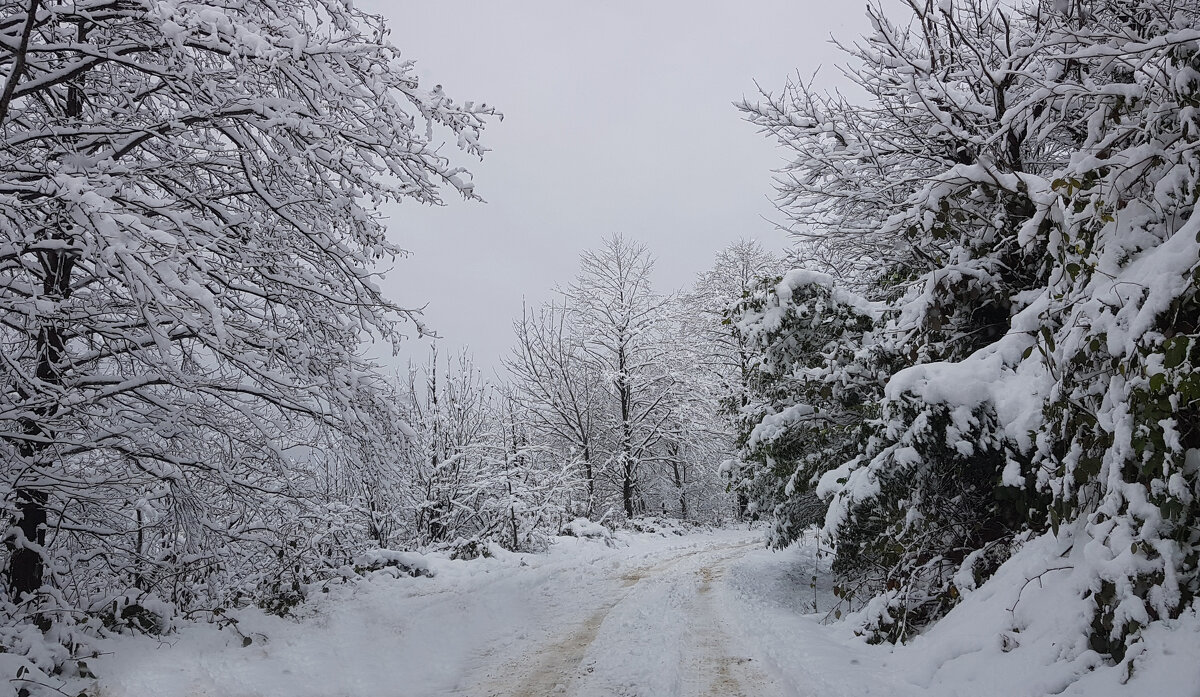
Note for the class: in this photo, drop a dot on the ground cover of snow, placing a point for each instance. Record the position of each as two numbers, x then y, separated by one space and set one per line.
707 613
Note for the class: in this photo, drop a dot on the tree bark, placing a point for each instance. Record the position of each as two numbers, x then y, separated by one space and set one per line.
26 567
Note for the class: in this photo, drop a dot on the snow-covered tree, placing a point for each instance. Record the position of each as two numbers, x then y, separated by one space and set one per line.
1021 186
474 475
540 486
450 410
559 388
697 440
813 385
623 382
188 246
618 313
723 358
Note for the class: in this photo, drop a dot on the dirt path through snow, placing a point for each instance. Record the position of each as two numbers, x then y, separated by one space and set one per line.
662 634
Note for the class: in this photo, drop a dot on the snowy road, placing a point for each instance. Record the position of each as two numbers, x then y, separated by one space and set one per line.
663 633
702 615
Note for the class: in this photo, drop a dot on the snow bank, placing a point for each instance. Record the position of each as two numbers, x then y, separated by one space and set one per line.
1021 634
1024 634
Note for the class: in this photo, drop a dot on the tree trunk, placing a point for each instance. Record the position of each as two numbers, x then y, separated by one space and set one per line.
628 468
680 474
26 567
591 479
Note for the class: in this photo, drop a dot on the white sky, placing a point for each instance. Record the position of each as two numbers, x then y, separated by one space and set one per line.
617 118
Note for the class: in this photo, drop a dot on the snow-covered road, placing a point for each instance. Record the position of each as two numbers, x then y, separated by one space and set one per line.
660 630
700 615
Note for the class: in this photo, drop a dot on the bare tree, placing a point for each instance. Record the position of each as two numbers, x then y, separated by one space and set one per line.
618 313
558 384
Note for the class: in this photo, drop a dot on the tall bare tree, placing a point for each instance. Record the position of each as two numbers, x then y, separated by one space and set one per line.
618 313
558 384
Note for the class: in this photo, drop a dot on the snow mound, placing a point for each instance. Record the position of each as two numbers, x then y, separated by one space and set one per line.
582 527
381 560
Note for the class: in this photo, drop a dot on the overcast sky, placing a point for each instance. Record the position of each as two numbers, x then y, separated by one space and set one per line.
618 117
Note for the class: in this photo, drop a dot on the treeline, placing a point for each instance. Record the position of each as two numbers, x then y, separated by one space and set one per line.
189 243
994 338
615 402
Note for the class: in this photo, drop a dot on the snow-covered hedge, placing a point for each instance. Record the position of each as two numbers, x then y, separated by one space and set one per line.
1021 191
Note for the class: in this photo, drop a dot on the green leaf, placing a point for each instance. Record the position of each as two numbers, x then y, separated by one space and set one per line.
1088 467
1049 337
1176 351
1157 381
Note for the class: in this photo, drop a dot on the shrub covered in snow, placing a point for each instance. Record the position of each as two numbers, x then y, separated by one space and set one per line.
814 383
584 528
1021 191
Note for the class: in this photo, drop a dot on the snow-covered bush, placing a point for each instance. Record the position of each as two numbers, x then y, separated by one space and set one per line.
1021 188
814 383
584 528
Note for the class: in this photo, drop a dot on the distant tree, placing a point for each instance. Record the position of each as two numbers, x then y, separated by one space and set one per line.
722 353
696 439
538 484
558 386
451 413
618 313
475 475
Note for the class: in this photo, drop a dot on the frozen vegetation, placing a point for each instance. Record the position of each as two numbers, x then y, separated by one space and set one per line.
948 444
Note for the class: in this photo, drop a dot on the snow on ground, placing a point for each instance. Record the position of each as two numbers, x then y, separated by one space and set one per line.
709 614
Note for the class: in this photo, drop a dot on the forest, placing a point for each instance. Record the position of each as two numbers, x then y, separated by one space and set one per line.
971 376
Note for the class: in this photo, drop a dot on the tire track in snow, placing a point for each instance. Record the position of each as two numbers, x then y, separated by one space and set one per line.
707 668
718 671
